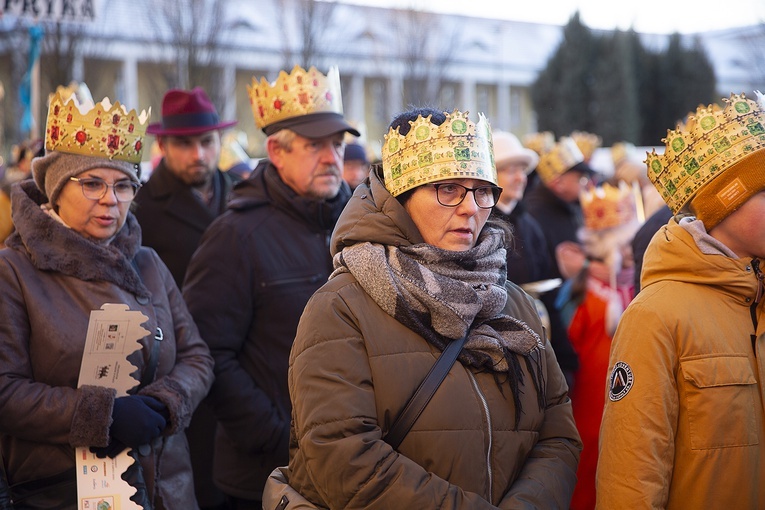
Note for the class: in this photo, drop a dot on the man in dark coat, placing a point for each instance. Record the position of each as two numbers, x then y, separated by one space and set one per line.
554 203
184 194
256 268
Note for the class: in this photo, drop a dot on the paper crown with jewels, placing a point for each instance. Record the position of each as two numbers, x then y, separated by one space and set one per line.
587 143
457 149
558 160
608 206
539 142
293 95
698 151
102 130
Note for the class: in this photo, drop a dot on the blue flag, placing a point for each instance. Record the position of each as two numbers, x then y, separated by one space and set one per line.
25 91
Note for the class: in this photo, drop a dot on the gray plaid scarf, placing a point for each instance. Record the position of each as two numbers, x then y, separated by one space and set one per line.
445 295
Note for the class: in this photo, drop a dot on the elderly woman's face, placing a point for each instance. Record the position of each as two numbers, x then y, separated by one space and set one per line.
449 228
97 219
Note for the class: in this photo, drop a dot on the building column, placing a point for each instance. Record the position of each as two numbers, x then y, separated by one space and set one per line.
354 100
395 95
78 68
467 96
129 81
228 83
504 120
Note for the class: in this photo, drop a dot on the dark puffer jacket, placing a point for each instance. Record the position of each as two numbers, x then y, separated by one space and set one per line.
51 279
352 369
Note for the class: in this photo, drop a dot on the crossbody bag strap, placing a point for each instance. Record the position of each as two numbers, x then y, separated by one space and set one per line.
423 394
147 377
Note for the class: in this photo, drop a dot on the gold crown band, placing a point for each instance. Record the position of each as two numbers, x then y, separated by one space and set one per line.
588 143
712 140
539 142
457 149
559 159
608 206
299 93
105 130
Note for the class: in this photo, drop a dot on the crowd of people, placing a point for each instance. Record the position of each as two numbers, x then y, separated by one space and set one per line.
453 323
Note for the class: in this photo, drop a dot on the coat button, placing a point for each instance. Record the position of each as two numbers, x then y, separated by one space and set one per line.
142 300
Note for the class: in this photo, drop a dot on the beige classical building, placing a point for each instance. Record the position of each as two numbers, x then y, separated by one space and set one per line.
133 49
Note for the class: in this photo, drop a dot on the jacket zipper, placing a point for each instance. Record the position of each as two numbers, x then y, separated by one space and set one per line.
287 281
758 297
488 424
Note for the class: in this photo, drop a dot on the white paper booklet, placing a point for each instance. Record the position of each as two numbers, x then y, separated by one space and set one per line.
113 334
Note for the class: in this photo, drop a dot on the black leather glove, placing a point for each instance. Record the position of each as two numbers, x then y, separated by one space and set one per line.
137 420
112 450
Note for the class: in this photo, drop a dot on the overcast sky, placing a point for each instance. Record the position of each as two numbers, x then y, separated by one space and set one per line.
650 16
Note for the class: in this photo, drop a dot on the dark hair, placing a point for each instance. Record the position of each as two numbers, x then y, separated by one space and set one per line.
402 122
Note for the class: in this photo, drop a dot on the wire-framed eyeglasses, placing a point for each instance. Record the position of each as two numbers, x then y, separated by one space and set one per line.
94 188
450 194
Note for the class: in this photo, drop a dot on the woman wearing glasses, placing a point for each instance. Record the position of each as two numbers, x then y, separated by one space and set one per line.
418 266
76 247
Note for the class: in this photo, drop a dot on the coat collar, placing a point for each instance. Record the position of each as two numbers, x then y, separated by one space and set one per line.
52 246
180 201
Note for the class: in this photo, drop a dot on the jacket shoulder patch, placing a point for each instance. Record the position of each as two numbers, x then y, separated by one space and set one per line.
621 381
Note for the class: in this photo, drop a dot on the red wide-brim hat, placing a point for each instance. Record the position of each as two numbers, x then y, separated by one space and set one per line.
187 113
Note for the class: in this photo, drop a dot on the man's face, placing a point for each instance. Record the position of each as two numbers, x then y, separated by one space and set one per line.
354 172
312 167
192 159
511 177
743 231
568 185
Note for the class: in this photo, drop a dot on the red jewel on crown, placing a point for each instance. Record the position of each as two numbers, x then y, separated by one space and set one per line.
315 82
97 122
54 133
299 80
261 112
138 145
278 104
131 127
115 119
81 137
113 142
328 96
69 117
56 109
303 98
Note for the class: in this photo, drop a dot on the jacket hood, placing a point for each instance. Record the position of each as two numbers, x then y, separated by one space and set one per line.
251 192
53 247
373 215
684 252
265 186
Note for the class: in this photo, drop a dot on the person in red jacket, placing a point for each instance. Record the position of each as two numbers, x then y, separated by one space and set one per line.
597 300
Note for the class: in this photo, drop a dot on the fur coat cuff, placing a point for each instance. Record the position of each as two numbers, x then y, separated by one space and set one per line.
177 400
92 416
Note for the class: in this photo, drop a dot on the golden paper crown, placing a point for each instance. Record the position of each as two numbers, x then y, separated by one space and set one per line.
711 141
457 149
79 90
622 151
608 206
299 93
559 160
539 142
587 143
104 130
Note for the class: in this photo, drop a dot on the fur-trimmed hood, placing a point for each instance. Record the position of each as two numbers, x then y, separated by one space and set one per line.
53 247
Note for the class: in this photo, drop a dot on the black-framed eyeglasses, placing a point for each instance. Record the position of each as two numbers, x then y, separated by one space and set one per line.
94 188
451 194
